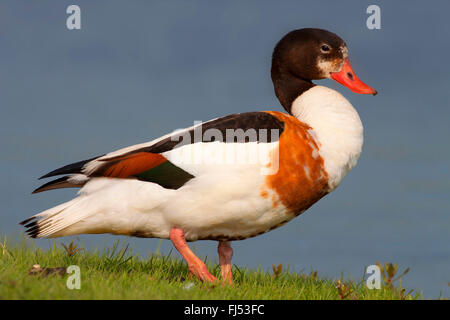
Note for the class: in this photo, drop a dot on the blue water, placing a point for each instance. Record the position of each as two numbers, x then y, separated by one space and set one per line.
138 70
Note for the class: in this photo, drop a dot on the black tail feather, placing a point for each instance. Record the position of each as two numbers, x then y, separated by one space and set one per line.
32 226
35 227
27 220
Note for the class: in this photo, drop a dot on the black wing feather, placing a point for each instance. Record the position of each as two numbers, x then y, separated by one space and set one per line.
69 169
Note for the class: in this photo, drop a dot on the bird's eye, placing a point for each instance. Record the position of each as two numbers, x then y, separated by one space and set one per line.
325 48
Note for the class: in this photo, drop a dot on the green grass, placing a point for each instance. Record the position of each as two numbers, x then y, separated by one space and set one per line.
116 273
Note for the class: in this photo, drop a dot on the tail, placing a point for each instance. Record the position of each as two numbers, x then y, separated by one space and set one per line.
50 222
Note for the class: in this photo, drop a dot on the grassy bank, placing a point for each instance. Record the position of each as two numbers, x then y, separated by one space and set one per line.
116 273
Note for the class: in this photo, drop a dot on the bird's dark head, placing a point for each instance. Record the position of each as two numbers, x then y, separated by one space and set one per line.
311 54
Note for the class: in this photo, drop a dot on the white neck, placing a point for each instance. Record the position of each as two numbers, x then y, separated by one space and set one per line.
336 127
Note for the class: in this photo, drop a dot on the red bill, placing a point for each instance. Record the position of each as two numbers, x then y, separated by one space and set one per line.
348 78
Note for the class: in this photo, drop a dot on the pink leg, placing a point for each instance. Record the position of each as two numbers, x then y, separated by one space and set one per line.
225 255
195 265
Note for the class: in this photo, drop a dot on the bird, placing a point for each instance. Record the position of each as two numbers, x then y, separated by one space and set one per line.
230 178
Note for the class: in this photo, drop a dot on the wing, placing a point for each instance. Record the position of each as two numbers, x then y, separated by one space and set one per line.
147 162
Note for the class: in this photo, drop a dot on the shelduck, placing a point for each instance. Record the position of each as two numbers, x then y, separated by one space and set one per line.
230 178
